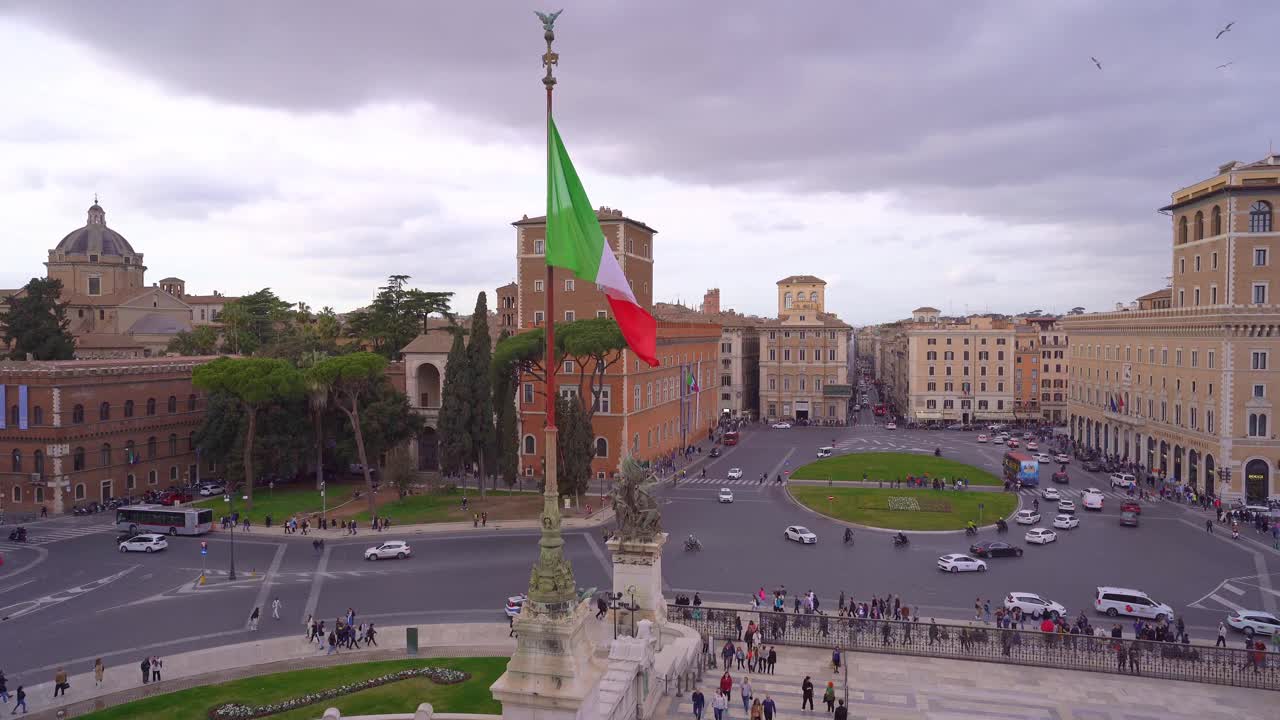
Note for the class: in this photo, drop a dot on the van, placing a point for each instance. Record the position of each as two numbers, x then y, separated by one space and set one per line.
825 451
1092 499
1115 601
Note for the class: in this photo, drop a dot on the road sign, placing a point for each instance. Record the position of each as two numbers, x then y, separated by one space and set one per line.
204 548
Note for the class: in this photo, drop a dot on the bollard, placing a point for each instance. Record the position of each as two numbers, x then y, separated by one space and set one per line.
202 579
411 640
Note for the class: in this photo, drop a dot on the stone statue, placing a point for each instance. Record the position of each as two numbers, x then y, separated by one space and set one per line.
548 19
639 519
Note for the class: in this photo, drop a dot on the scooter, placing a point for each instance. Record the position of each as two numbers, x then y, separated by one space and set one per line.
937 452
970 531
18 535
901 541
1002 526
848 537
692 544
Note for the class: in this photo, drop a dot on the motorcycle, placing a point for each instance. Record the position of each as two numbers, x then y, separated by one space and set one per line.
1002 526
18 535
692 544
848 537
901 541
937 452
970 531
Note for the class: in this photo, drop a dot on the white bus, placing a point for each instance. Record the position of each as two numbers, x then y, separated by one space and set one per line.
161 519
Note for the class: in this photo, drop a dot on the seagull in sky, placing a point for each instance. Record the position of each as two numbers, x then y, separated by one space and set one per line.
1095 62
1224 30
1224 66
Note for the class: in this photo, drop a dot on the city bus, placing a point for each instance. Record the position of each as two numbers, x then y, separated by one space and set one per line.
1023 467
161 519
730 438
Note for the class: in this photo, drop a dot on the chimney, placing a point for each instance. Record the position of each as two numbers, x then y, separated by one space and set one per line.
711 301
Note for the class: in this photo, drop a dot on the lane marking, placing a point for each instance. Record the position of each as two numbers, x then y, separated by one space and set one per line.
26 607
1225 602
1232 589
260 601
313 598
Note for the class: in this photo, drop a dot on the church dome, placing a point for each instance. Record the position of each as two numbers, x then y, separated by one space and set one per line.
95 238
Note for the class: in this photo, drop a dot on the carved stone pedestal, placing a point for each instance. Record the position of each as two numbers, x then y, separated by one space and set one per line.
551 675
637 566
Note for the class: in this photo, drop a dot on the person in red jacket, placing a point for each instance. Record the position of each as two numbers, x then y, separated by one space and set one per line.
726 685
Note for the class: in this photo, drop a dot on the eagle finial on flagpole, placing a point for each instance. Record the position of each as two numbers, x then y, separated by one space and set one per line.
549 58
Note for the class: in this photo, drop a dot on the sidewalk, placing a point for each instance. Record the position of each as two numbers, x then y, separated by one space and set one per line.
594 520
123 683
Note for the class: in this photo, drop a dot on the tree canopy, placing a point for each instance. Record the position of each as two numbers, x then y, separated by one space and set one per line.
456 405
36 322
200 340
479 374
396 316
254 320
350 379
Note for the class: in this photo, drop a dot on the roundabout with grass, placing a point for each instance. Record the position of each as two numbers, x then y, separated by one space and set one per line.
900 508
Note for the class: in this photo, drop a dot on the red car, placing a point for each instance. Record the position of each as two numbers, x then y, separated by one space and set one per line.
1131 506
170 498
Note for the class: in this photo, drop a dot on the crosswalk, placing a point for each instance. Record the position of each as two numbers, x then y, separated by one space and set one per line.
720 482
44 534
1069 493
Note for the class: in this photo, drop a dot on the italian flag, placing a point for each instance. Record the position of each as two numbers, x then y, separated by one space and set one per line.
576 243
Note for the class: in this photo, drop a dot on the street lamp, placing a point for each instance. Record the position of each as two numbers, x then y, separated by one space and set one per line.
227 498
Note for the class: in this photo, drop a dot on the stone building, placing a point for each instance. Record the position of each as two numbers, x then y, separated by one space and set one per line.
738 364
804 356
1184 382
78 431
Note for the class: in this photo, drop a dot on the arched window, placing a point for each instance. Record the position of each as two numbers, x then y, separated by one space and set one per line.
1199 229
173 444
151 406
1260 217
813 296
530 445
786 301
77 414
191 402
104 411
151 477
1258 424
17 461
37 462
151 448
105 455
1182 230
37 415
602 447
77 459
173 404
128 408
79 491
130 481
1215 221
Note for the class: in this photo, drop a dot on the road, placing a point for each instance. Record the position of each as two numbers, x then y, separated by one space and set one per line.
70 596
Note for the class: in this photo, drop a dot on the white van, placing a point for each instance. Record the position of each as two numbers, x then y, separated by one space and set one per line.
1122 601
825 451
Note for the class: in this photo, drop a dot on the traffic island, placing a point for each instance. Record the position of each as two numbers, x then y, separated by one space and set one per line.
905 508
890 467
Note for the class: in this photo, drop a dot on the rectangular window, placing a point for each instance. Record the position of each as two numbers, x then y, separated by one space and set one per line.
1259 293
1213 261
802 356
1195 358
1259 257
1209 359
568 284
538 247
95 285
1177 357
931 404
1195 296
537 286
602 314
773 354
726 348
786 354
1213 294
1259 391
831 354
1197 263
569 316
1164 356
1182 298
568 366
1259 360
635 397
538 317
528 393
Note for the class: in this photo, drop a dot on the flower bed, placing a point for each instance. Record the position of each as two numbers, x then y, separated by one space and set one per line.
238 711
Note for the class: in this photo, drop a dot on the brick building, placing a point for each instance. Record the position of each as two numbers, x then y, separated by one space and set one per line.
648 412
77 431
738 365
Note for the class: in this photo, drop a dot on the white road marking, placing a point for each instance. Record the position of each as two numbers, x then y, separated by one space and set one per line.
313 598
1225 602
261 601
27 607
1232 589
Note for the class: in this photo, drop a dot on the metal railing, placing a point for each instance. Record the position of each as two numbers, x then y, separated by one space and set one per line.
987 643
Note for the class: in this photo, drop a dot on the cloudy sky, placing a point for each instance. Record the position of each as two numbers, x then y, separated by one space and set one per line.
968 156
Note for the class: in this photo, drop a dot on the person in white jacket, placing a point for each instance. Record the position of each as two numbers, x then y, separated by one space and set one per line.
720 705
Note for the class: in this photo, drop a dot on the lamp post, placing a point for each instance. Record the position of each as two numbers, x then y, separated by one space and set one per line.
227 498
324 504
1224 474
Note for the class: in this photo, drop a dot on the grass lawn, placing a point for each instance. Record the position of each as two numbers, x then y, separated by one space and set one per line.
447 507
929 509
889 466
471 696
283 503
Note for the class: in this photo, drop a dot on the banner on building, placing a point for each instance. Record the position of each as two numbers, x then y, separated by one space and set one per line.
22 407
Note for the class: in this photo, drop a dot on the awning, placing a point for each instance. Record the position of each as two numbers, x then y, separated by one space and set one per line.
928 416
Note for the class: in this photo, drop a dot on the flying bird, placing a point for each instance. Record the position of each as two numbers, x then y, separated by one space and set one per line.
1224 66
1224 30
1095 62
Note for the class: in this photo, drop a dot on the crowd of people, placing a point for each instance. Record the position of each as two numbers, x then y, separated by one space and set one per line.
345 633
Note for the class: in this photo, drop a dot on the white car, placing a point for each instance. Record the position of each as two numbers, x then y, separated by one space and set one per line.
144 543
983 438
1034 605
726 495
1040 536
1042 458
515 603
1092 499
1123 480
1027 517
1251 622
1066 522
1032 445
735 473
212 489
1062 458
961 563
1066 507
389 549
891 426
1051 493
782 426
800 534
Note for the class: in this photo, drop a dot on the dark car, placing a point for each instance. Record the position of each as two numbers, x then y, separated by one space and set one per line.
1131 506
715 452
1093 466
171 497
994 548
1061 477
1129 518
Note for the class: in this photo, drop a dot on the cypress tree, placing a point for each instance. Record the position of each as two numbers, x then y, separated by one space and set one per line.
479 359
455 411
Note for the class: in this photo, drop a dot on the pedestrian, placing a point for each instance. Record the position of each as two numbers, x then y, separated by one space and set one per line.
806 693
1208 526
986 611
60 683
4 688
44 511
842 712
745 692
726 686
308 630
98 670
719 704
369 636
699 702
21 703
835 660
977 608
829 696
602 607
156 664
1222 636
333 643
253 619
757 711
146 670
275 608
1134 652
773 658
770 707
